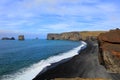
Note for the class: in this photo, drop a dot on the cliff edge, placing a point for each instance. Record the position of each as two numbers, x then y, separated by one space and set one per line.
75 36
109 50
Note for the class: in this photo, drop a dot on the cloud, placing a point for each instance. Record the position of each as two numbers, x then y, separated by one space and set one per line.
44 16
58 26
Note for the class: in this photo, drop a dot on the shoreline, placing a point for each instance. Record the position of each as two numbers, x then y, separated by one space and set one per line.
29 72
84 65
53 65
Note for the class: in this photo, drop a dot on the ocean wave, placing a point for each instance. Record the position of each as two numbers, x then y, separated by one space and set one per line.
30 72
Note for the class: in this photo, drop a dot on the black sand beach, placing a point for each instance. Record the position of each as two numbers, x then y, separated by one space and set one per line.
84 65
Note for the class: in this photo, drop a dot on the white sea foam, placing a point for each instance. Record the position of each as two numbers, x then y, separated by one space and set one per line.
33 70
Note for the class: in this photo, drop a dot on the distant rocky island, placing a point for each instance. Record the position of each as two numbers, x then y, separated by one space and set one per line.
7 38
20 37
100 60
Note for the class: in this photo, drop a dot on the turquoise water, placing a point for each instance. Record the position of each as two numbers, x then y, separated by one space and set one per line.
16 55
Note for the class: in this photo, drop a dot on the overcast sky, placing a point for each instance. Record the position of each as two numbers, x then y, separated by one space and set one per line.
36 18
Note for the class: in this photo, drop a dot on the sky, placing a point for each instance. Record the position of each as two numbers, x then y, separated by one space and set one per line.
37 18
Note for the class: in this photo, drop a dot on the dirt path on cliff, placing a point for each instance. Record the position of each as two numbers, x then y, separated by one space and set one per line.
84 65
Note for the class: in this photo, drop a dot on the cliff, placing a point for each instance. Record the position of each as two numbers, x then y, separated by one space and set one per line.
75 36
85 35
109 48
70 36
52 36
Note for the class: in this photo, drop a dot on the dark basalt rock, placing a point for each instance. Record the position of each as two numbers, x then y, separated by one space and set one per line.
6 38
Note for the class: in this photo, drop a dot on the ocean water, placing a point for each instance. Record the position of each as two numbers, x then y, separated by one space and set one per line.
23 60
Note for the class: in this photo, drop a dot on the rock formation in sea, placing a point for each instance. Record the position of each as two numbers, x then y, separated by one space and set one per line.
52 36
75 36
6 38
109 47
21 37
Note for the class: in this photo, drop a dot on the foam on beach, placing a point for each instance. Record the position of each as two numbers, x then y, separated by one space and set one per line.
30 72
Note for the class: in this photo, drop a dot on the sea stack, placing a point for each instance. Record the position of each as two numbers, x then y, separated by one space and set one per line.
21 37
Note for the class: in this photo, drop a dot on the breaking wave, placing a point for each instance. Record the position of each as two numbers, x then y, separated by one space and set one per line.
30 72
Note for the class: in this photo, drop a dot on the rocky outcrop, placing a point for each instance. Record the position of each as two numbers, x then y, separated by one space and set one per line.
52 36
85 35
6 38
21 37
65 36
75 36
109 47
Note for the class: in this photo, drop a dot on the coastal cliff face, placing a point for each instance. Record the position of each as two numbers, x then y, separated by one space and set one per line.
52 36
64 36
109 47
75 36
